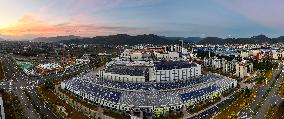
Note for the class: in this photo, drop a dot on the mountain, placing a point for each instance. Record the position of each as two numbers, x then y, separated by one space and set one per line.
55 39
211 40
122 39
253 40
188 39
192 39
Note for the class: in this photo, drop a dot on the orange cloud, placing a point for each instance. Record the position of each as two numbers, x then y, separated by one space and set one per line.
31 26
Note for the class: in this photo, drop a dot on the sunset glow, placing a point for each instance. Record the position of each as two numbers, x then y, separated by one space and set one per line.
36 18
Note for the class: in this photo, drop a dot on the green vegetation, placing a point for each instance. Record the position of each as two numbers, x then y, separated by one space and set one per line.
2 76
203 54
53 101
122 39
229 92
48 85
12 106
243 99
267 76
280 89
247 92
115 115
259 39
204 106
102 60
228 58
82 102
260 80
267 91
265 65
275 111
172 116
46 92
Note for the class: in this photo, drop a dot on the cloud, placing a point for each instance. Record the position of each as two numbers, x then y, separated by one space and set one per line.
31 26
268 13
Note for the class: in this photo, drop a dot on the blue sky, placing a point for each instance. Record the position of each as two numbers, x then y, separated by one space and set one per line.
222 18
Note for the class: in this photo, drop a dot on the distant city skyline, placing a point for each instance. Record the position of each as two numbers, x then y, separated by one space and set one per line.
25 19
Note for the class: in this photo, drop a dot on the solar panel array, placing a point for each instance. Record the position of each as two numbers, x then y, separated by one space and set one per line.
79 85
156 86
126 70
198 93
147 94
169 65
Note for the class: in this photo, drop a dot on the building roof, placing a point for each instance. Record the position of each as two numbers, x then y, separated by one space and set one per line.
168 65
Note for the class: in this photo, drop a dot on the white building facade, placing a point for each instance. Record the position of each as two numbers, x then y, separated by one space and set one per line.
243 69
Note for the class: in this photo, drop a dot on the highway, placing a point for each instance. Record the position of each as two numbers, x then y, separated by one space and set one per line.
248 113
272 98
214 108
18 83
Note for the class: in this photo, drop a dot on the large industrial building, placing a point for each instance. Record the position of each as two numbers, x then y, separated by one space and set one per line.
149 84
161 71
127 96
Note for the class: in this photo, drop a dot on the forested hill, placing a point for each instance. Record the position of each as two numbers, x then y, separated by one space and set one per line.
122 39
253 40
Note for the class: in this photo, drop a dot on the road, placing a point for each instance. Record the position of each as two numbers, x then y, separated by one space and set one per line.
248 113
213 108
15 85
273 98
18 83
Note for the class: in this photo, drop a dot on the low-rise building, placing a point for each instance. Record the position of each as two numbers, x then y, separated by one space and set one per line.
276 54
228 66
243 69
223 64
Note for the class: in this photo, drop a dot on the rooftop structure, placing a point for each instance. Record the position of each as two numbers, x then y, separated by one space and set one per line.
169 65
140 80
129 96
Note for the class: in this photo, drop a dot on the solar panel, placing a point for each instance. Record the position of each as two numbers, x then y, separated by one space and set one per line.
198 93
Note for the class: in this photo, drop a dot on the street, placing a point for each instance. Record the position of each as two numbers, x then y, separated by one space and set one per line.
271 99
19 84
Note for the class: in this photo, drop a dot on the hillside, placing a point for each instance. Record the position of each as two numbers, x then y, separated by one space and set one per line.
122 39
186 40
55 39
253 40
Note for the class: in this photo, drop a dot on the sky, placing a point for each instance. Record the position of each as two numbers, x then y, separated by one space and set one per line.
26 19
